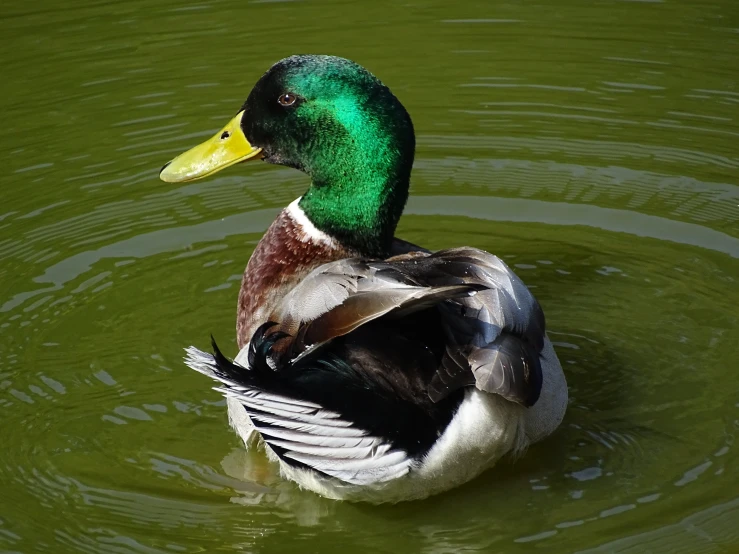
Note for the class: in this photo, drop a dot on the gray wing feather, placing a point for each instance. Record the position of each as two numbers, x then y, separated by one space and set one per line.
337 298
494 325
309 434
495 337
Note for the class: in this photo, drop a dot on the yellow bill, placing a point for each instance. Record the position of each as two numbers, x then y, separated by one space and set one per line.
227 147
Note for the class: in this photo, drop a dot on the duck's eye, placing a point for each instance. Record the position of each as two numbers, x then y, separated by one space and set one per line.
225 135
287 99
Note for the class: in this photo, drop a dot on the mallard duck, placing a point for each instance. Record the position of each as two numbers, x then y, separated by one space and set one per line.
369 368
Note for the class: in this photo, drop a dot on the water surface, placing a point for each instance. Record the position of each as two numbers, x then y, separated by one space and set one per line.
591 145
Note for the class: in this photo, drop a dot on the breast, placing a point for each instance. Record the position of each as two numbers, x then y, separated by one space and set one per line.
284 256
287 252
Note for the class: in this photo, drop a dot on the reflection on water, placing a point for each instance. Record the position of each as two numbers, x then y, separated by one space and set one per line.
592 146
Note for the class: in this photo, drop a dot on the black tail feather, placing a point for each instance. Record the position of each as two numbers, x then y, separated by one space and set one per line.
260 346
225 367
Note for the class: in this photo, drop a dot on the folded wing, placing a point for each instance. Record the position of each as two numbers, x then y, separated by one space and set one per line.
494 326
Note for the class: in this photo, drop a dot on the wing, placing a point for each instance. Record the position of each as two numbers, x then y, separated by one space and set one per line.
494 326
494 338
303 433
337 298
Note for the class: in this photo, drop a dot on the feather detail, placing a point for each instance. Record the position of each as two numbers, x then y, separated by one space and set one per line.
302 433
340 297
510 367
494 327
494 338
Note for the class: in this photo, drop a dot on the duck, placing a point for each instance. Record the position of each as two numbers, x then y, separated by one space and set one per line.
369 368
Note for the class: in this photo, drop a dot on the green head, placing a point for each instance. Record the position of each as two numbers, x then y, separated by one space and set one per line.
334 120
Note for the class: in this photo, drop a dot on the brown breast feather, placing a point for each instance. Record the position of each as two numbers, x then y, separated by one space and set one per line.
279 262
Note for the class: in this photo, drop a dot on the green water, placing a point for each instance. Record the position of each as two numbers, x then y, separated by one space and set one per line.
592 145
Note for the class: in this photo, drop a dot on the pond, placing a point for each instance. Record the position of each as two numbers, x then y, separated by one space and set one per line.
591 145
